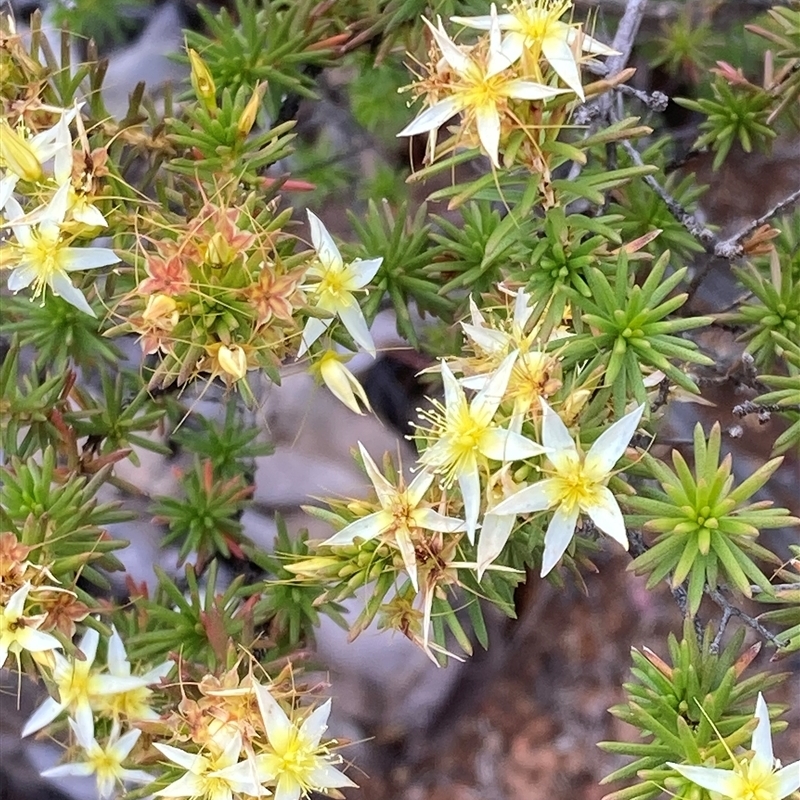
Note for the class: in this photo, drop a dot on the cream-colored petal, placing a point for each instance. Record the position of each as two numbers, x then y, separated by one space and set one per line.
314 328
761 744
451 52
536 497
495 530
607 516
489 340
530 90
590 45
326 248
409 556
787 780
386 491
608 448
453 393
418 488
560 57
63 288
353 319
276 723
557 537
470 485
79 258
315 724
504 445
724 781
364 271
432 520
365 528
485 404
555 435
433 117
487 121
326 776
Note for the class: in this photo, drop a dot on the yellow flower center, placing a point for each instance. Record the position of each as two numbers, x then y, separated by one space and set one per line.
298 759
43 253
754 784
575 487
105 765
335 284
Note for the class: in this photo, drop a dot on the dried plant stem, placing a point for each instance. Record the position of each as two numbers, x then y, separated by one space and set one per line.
735 611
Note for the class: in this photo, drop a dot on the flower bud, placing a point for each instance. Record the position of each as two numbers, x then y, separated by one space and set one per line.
161 307
218 252
17 155
248 118
342 383
232 361
202 81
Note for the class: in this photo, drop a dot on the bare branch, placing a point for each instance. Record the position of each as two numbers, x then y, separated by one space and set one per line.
751 622
732 248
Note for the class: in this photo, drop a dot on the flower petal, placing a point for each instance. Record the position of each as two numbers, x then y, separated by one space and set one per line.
326 248
608 517
385 491
560 57
537 497
188 761
353 319
495 530
63 288
451 52
80 770
724 781
503 445
365 528
610 445
787 780
453 393
487 121
117 658
590 45
418 488
21 278
470 485
555 435
43 715
433 117
762 738
326 776
77 258
558 536
276 724
530 90
364 271
486 402
314 328
432 520
489 340
315 724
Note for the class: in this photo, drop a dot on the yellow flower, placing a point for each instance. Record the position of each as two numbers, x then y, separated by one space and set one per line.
400 515
104 762
480 89
578 484
465 435
342 383
79 686
232 361
758 778
295 762
213 775
534 29
41 255
334 291
18 632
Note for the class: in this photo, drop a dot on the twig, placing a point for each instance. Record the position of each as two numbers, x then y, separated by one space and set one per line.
764 410
751 622
623 43
723 624
626 35
732 248
706 237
